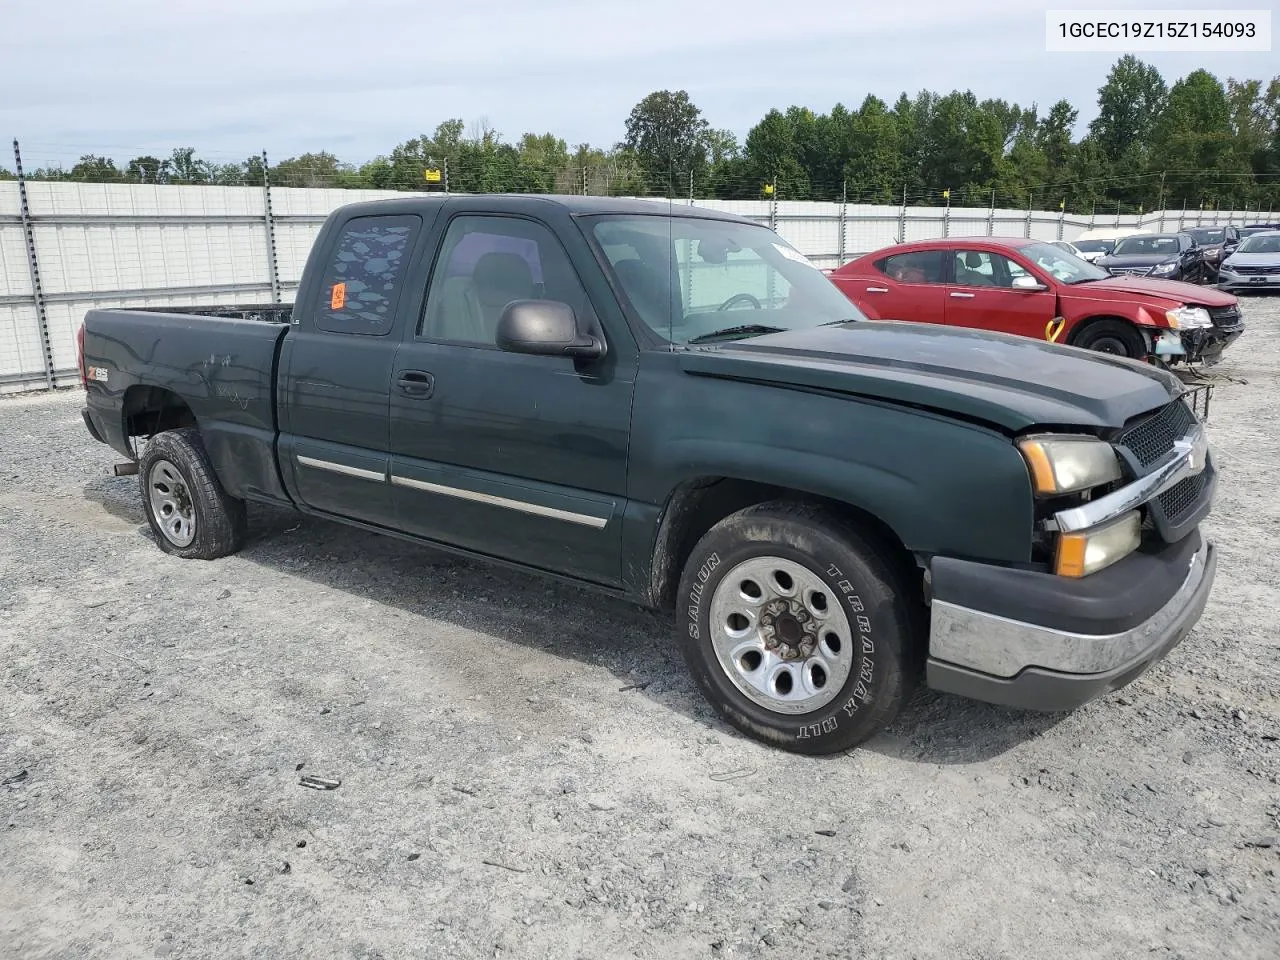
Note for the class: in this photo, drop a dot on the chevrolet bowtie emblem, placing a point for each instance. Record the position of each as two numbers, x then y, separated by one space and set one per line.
1195 447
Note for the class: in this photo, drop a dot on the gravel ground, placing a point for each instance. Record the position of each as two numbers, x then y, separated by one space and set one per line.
527 771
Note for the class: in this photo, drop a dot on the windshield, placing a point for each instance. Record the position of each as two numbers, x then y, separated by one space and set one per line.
1208 236
1146 247
688 278
1064 266
1094 246
1260 243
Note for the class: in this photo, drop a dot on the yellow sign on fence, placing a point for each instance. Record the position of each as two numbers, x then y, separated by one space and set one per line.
432 176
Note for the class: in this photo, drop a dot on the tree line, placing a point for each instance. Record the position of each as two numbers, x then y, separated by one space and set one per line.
1200 143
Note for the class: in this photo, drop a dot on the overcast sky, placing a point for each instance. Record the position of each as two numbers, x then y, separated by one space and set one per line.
356 77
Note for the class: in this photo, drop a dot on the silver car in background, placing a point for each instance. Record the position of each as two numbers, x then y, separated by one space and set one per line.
1253 265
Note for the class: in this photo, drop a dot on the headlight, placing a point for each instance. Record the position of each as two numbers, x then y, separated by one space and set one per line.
1067 464
1188 318
1088 551
1227 267
1165 267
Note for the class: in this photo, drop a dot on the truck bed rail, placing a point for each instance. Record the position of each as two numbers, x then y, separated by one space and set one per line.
264 312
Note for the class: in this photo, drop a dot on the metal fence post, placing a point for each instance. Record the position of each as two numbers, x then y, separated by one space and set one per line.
1062 220
273 264
1027 226
991 216
844 208
902 217
1183 215
946 214
1093 214
773 206
33 264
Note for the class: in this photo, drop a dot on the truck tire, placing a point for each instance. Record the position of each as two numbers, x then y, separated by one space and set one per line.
1117 337
796 628
189 512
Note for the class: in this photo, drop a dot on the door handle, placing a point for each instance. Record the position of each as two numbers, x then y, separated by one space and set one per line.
877 289
416 383
963 296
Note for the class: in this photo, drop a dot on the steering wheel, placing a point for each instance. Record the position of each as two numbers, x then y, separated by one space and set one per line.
744 297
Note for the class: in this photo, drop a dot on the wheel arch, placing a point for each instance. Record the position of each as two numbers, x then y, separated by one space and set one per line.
698 504
148 410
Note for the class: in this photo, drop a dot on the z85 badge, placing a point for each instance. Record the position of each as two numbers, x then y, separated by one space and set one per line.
96 373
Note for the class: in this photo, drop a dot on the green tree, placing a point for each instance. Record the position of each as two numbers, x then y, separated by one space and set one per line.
667 133
1192 140
148 169
93 169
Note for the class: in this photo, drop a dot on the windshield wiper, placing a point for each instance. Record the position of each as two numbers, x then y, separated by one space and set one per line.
834 323
736 332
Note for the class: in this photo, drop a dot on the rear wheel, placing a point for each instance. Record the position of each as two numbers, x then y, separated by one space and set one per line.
796 628
189 512
1115 337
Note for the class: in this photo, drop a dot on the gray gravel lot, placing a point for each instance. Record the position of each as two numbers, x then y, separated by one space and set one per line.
527 771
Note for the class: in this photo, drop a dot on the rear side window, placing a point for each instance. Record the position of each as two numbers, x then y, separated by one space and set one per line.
920 266
363 282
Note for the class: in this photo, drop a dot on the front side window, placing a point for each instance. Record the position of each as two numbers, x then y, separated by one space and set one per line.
690 279
978 268
362 283
485 263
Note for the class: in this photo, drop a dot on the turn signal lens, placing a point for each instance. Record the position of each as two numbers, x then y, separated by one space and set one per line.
1088 551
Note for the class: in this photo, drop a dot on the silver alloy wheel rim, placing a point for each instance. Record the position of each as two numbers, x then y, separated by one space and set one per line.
781 635
171 504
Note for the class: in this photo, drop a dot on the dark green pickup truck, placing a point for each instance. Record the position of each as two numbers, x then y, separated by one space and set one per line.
674 406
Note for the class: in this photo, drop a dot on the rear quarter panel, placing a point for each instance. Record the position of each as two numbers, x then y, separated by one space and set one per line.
223 369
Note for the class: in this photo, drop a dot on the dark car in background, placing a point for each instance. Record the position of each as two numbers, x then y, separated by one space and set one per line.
1165 256
1217 243
1254 265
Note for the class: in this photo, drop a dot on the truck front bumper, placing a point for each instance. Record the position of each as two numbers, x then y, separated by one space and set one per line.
1041 642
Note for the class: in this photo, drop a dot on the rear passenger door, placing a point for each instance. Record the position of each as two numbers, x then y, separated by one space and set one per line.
516 456
336 368
910 287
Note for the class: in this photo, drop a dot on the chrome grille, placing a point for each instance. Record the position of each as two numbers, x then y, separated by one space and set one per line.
1152 438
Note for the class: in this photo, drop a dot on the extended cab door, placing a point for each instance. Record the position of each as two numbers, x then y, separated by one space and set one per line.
336 366
982 295
516 456
907 286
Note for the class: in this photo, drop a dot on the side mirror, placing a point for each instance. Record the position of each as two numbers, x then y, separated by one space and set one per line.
545 328
1027 283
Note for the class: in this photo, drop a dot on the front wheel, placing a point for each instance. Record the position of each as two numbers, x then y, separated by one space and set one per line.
796 628
189 512
1115 337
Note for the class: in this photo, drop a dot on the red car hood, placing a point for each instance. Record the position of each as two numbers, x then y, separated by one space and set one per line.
1174 291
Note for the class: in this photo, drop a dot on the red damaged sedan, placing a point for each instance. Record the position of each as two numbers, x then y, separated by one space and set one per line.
1035 289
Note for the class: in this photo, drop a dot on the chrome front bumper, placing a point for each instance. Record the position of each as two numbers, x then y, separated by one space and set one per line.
1037 667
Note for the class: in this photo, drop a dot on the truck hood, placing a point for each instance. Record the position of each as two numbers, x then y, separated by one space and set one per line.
1009 382
1174 291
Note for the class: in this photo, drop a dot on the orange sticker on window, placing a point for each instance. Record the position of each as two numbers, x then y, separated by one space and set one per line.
338 297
